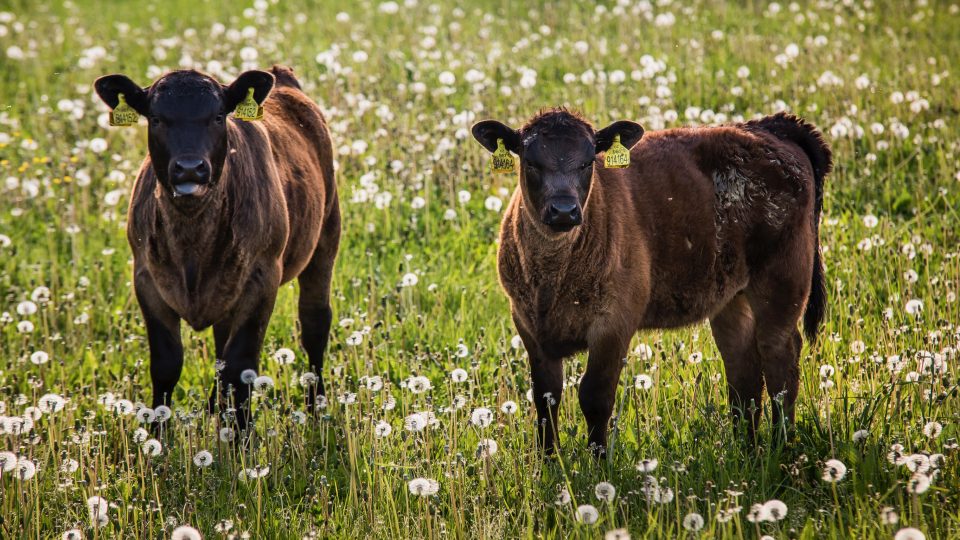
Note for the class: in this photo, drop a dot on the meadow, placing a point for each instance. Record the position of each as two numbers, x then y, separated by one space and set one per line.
428 431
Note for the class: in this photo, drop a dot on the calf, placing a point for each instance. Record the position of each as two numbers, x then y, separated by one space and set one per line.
717 223
223 212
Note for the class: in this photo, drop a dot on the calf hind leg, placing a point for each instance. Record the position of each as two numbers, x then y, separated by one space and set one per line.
315 313
734 331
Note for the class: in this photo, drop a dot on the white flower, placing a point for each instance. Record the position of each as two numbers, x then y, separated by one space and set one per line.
409 280
203 459
481 417
247 376
25 469
39 357
563 497
860 435
617 534
98 510
932 429
918 483
53 403
263 383
693 522
889 516
458 375
587 513
423 487
870 221
914 307
72 534
415 422
152 447
98 145
909 533
644 351
486 448
146 415
227 434
834 470
373 383
382 429
418 384
775 510
493 203
643 382
446 78
509 407
163 413
647 465
605 491
8 461
284 356
308 379
185 532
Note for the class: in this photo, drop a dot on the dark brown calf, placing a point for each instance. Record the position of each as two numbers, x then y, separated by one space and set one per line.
223 212
714 223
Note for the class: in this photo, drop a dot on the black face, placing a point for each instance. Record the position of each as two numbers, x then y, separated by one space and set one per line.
187 114
555 174
558 151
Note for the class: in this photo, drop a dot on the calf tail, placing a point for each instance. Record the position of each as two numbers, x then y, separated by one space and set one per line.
805 135
284 76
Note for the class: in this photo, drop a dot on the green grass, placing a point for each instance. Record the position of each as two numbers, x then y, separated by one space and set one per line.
331 477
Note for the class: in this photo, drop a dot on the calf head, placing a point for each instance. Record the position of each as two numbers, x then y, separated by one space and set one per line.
558 151
187 133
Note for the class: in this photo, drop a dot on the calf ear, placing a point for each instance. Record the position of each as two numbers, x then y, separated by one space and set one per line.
260 81
109 88
488 131
629 132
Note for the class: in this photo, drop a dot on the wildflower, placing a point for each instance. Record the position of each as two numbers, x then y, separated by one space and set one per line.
481 417
508 407
308 379
617 534
146 415
51 403
163 413
643 382
69 466
382 429
299 417
415 422
247 376
140 435
424 487
152 447
860 435
834 470
374 383
185 532
39 358
932 429
775 510
693 522
203 459
647 465
409 280
284 356
419 384
889 516
909 533
587 513
605 491
918 483
695 358
493 203
487 448
263 383
757 514
458 375
72 534
563 497
98 510
914 307
25 469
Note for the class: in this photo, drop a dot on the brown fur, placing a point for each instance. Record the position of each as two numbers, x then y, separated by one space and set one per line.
273 216
707 223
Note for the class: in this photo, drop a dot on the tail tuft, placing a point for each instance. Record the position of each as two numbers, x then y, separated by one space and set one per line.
792 128
284 76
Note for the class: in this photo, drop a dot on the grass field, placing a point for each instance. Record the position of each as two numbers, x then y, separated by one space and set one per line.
416 292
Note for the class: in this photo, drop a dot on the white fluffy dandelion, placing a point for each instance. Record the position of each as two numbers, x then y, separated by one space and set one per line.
605 491
423 487
203 459
185 532
834 470
587 513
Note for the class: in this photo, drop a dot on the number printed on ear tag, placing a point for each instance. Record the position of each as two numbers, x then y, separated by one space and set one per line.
502 161
249 109
617 156
123 115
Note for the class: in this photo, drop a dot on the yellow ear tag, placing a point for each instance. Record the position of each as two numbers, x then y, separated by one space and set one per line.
617 156
249 109
123 115
502 159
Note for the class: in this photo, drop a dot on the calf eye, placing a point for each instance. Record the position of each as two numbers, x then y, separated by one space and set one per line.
587 165
218 119
155 121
